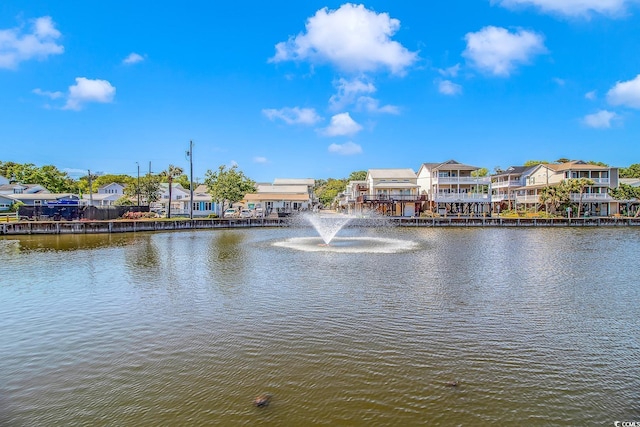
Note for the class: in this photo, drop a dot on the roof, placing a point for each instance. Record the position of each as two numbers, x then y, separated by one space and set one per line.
101 196
515 170
276 197
392 173
294 181
41 196
576 165
290 189
449 165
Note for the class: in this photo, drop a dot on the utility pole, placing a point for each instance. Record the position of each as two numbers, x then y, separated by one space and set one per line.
138 189
90 190
190 154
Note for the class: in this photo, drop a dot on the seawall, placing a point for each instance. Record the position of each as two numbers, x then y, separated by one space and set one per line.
92 227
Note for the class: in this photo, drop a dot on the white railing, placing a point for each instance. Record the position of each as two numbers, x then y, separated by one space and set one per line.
461 197
462 180
589 197
503 184
601 180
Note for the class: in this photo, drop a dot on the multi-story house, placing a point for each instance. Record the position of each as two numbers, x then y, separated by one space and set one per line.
348 199
391 192
520 187
453 188
106 195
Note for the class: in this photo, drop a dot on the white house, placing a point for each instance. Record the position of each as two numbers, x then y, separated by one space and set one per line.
106 195
453 188
391 192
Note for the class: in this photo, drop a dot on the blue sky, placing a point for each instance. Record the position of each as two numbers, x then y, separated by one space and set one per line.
292 89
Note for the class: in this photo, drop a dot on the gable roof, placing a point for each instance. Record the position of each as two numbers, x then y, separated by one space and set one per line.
449 165
406 173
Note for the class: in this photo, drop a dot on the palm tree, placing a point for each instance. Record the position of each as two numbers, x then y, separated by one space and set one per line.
579 185
171 172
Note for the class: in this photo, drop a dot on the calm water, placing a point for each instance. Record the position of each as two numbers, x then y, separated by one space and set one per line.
537 326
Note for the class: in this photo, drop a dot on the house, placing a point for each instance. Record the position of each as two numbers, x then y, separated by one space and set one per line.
180 198
524 192
17 188
392 192
283 197
203 205
6 202
106 195
505 185
348 199
453 188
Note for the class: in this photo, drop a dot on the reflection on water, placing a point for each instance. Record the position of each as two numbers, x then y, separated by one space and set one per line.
537 326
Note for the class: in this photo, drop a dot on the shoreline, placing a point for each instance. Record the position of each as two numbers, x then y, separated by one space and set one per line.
119 226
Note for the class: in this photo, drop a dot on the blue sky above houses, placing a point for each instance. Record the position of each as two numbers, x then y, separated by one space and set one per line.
318 89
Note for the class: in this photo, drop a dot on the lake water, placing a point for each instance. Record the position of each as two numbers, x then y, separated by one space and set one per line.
538 326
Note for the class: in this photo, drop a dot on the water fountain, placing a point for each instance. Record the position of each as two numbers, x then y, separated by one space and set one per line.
329 225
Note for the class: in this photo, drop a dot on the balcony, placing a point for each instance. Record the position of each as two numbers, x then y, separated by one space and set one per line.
391 198
592 197
506 184
461 197
462 180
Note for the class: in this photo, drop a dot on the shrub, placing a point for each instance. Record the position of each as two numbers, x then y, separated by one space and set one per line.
138 215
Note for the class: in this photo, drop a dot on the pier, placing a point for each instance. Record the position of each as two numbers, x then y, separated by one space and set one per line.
93 227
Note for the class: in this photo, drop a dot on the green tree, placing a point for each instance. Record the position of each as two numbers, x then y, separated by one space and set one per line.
228 185
578 185
563 160
534 162
171 172
632 171
626 193
357 176
124 201
480 172
149 189
593 162
327 193
49 176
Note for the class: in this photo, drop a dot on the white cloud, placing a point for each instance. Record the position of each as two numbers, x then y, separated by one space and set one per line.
342 124
295 115
601 119
372 105
625 93
497 51
447 87
352 38
48 94
133 58
572 7
450 72
16 46
348 91
88 90
346 149
559 81
260 159
591 95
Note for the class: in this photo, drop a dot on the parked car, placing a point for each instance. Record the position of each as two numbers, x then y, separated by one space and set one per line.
245 213
231 213
258 213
